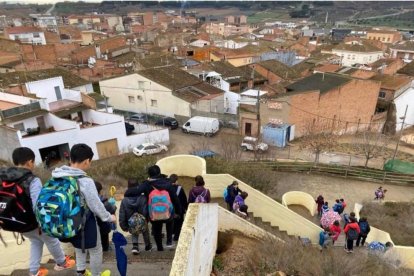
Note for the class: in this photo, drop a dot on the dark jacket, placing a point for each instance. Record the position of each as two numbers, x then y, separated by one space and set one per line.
232 192
198 190
131 205
161 184
104 226
364 227
182 197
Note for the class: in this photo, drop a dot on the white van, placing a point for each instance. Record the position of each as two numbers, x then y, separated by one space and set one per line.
201 125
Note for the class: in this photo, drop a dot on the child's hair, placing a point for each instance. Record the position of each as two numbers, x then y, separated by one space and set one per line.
243 208
326 203
337 200
80 153
154 171
389 244
132 183
352 219
21 155
352 214
173 178
363 219
336 223
342 199
199 180
244 195
235 183
98 186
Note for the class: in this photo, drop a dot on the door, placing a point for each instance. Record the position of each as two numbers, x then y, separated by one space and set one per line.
58 93
248 129
107 148
41 122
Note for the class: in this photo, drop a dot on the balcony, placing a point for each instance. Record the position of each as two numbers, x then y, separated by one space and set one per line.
20 110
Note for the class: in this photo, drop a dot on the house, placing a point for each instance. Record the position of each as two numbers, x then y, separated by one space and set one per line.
166 91
385 36
230 44
274 71
407 70
357 52
237 57
338 102
339 34
238 19
44 21
403 50
387 66
226 29
26 34
249 118
404 107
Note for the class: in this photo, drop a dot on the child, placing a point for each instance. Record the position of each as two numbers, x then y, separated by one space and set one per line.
81 157
104 227
325 207
242 211
23 159
335 229
130 206
239 200
320 201
324 238
178 221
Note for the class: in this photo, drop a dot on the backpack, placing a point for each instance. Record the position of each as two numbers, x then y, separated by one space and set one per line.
226 194
352 234
363 225
201 198
159 205
59 210
137 224
16 210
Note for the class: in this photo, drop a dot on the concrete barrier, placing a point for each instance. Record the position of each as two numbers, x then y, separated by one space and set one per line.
198 241
184 165
300 198
17 256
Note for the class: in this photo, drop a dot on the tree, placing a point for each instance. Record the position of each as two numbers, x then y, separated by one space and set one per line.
319 136
371 144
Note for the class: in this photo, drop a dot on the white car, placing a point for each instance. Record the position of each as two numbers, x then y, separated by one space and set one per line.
149 148
252 143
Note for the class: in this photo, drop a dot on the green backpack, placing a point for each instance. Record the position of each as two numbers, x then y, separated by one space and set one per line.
58 209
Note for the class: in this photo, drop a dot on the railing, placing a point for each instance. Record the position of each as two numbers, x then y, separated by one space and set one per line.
20 110
88 101
368 174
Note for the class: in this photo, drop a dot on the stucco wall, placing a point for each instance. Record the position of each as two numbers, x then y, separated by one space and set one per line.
198 241
8 136
300 198
184 165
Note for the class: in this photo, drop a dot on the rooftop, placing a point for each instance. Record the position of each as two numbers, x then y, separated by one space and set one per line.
4 105
279 69
198 91
157 61
404 45
170 77
358 47
70 80
319 81
392 82
22 30
383 61
407 70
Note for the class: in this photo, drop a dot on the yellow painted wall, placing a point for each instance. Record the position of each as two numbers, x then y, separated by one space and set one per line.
300 198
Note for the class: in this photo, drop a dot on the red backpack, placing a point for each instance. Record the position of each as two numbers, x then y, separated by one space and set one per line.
159 205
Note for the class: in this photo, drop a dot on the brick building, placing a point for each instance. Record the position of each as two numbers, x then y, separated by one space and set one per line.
341 102
105 46
274 71
384 36
403 50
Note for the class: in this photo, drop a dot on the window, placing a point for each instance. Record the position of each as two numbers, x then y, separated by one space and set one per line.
141 85
388 39
139 97
154 103
36 35
382 94
131 99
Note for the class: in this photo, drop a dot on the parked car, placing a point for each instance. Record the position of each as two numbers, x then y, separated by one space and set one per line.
201 125
168 122
129 128
252 143
139 118
204 153
149 148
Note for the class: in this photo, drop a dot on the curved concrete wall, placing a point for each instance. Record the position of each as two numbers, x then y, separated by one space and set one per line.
184 165
300 198
403 255
198 241
17 256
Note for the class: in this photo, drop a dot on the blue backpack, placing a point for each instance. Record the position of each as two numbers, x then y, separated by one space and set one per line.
363 225
59 210
225 194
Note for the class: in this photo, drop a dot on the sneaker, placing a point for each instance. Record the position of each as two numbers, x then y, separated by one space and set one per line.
135 250
69 263
106 273
86 273
41 272
148 248
169 244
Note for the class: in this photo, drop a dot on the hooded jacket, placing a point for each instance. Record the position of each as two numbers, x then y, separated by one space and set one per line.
159 183
88 191
131 205
352 225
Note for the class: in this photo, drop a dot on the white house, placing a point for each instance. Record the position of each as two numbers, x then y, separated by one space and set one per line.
357 52
26 34
230 44
44 21
403 101
166 91
199 43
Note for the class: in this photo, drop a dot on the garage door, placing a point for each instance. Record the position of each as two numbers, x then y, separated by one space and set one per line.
107 148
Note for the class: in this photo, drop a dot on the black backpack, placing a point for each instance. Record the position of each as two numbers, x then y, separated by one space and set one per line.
352 234
16 210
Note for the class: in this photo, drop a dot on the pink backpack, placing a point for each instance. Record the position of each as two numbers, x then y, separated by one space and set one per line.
159 205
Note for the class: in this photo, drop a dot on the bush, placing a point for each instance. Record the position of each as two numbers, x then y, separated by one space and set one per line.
134 167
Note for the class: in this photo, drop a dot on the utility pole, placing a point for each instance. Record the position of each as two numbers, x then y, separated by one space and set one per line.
257 104
401 132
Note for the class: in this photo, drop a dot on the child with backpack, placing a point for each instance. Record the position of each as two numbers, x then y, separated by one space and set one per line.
199 194
230 194
89 237
239 200
351 231
325 207
133 216
242 212
182 197
336 230
365 229
18 215
338 206
104 226
163 203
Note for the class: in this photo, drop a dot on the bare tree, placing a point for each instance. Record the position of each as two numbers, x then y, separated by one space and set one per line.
319 136
371 144
230 147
